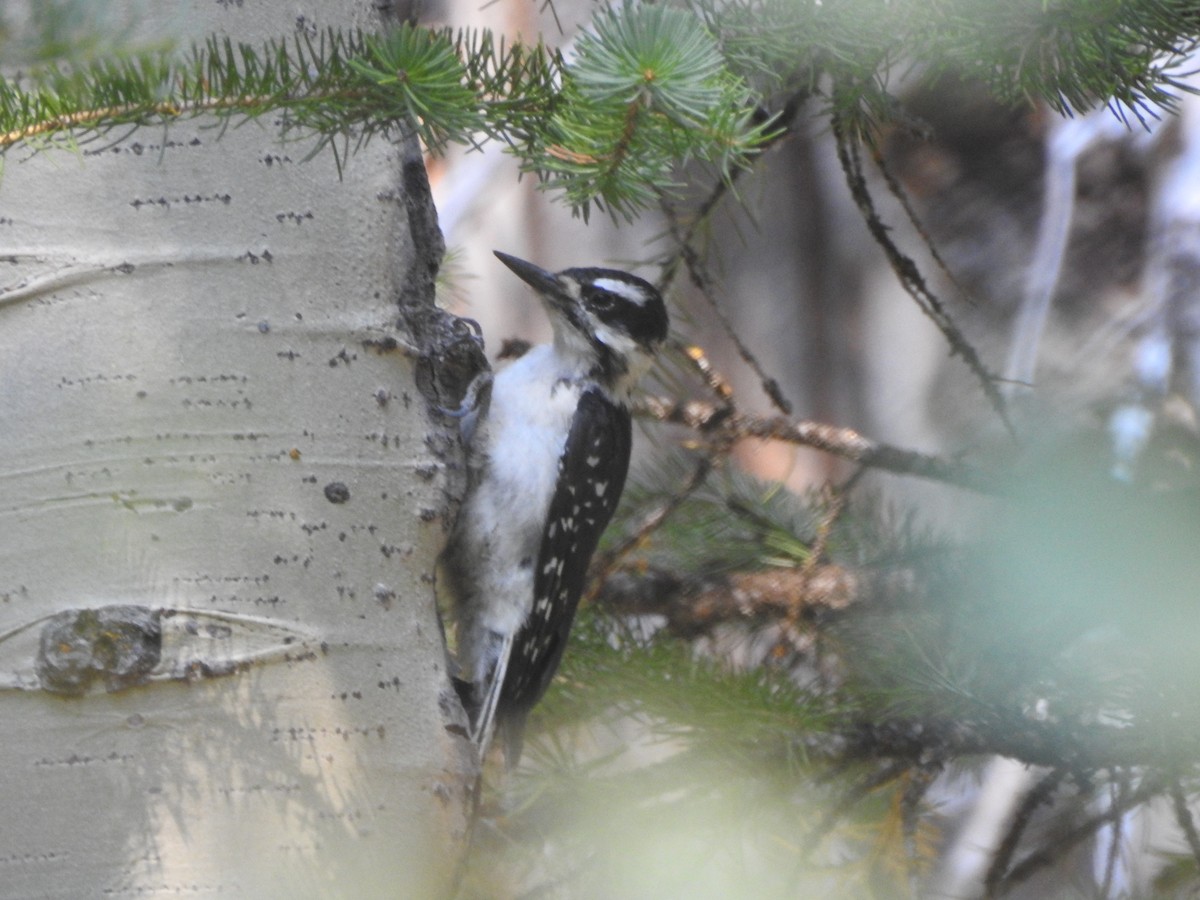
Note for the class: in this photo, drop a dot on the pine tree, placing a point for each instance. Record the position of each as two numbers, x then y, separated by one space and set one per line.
823 660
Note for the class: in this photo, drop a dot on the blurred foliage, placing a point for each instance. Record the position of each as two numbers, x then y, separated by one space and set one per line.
37 32
724 526
1060 635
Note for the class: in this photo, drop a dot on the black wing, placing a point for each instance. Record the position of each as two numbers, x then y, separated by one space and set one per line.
591 476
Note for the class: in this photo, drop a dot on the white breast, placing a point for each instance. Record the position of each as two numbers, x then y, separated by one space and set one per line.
532 407
533 403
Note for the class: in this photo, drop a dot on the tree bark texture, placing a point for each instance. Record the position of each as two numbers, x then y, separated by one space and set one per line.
221 499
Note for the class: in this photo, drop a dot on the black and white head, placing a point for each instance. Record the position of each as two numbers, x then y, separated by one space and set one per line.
613 322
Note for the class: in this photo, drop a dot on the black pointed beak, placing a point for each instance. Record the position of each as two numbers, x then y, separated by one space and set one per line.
545 283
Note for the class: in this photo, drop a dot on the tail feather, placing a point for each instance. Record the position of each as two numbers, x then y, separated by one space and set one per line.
483 726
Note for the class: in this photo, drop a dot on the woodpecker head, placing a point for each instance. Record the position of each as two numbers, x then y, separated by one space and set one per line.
611 321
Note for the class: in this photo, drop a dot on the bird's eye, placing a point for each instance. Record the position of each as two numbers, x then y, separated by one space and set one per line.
601 300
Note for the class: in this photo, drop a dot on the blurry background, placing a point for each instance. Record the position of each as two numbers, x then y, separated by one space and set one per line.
811 294
1069 248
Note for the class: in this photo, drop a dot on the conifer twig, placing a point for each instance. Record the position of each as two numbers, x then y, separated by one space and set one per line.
886 773
1061 843
845 443
1183 816
896 189
1036 797
686 253
909 274
605 563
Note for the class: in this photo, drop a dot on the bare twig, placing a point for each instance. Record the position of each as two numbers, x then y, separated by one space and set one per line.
1037 796
1064 841
833 511
842 442
704 284
1183 815
715 381
897 190
685 252
720 188
1116 792
909 275
1009 734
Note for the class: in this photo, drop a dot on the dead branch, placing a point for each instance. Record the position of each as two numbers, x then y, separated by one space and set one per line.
842 442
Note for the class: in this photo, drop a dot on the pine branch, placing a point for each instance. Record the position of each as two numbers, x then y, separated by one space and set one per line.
1047 855
1038 796
1074 56
1082 747
897 191
334 83
648 90
1185 820
845 443
652 87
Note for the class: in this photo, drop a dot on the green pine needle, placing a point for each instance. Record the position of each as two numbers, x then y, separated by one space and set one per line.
653 87
659 56
648 91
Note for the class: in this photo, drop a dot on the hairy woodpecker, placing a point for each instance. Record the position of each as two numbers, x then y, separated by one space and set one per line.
548 464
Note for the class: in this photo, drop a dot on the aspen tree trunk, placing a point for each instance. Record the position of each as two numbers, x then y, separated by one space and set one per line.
221 498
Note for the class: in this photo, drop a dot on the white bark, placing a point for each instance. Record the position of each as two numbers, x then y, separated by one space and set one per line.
210 439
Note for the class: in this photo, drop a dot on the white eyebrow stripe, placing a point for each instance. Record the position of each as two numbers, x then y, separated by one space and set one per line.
630 292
